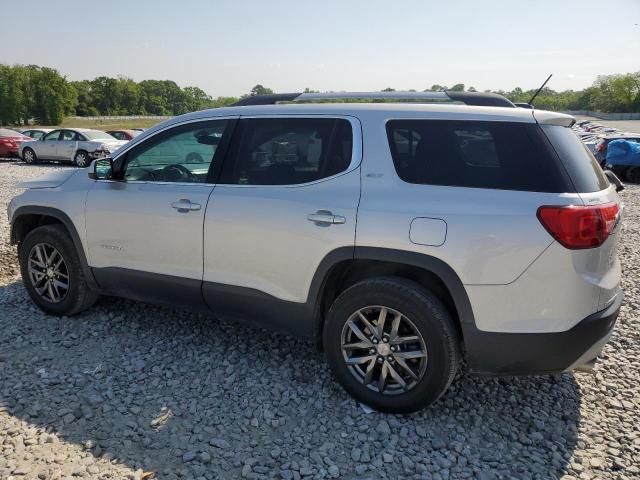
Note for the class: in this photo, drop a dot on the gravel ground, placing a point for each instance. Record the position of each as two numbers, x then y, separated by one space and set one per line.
125 389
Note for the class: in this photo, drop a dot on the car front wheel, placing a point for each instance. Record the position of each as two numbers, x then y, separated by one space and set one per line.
391 344
52 272
29 156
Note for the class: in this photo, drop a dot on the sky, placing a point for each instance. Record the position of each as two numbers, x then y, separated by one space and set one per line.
226 47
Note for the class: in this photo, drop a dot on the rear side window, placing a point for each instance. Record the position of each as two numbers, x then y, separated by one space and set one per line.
288 151
497 155
586 174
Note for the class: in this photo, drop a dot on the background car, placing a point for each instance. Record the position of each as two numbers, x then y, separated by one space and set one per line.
10 141
124 134
36 133
77 145
602 145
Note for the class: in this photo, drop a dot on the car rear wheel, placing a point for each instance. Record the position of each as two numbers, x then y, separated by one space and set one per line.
633 175
52 272
391 344
81 158
29 156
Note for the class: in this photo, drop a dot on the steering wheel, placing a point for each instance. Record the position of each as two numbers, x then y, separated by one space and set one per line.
177 172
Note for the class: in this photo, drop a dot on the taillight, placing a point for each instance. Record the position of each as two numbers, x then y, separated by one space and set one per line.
600 147
577 227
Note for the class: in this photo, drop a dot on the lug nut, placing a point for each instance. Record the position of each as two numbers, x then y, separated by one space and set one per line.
372 351
375 340
393 348
385 339
380 359
390 358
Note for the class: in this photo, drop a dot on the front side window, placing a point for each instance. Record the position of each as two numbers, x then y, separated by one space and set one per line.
289 151
182 154
36 135
52 136
496 155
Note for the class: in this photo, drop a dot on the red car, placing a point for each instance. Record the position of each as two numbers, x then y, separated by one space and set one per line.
124 134
10 140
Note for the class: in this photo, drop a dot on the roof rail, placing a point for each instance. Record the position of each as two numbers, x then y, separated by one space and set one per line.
468 98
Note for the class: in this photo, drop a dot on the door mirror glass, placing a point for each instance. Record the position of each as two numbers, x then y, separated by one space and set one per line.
102 169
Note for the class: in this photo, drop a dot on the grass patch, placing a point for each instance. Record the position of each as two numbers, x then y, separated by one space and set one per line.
111 124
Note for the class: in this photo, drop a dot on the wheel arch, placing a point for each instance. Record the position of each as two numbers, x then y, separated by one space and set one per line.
29 217
345 267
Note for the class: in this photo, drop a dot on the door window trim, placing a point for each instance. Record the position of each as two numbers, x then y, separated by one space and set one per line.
356 147
163 133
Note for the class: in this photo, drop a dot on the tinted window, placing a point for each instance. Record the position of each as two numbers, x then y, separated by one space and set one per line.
183 154
586 174
289 151
52 136
118 135
69 135
498 155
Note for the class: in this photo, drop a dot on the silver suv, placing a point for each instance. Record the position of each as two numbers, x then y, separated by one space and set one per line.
405 237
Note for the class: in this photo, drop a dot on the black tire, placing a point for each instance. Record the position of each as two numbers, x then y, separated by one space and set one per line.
29 156
81 159
633 175
620 171
79 296
433 322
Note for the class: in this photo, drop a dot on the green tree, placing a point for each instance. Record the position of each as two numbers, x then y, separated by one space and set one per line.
260 90
53 97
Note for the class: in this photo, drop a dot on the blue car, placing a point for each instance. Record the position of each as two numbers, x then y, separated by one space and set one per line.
623 158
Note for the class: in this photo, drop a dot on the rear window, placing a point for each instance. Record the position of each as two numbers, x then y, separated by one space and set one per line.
497 155
583 168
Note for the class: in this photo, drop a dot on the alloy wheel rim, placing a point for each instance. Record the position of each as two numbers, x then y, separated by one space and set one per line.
48 272
28 156
384 350
81 159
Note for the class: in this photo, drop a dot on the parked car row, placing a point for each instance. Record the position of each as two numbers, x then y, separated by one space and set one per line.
621 160
76 145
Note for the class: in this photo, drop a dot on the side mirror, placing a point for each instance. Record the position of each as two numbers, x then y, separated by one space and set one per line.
102 169
613 179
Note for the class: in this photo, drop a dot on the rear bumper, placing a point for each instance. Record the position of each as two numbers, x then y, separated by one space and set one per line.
491 353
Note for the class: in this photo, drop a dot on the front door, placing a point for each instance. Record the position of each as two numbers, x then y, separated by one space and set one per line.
144 230
47 148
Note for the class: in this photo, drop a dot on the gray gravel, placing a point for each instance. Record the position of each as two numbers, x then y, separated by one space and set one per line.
128 388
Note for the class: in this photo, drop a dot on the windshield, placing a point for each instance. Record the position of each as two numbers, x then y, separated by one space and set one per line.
97 135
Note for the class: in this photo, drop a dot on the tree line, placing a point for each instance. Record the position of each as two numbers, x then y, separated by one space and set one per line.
41 93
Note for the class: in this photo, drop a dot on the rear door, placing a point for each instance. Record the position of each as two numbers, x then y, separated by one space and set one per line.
68 144
287 198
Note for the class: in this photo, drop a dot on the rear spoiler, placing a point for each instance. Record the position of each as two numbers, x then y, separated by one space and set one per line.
544 117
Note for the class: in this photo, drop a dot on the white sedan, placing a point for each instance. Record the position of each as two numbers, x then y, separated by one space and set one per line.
76 145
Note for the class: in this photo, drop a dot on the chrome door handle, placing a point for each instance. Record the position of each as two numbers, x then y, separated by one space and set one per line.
325 217
184 205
